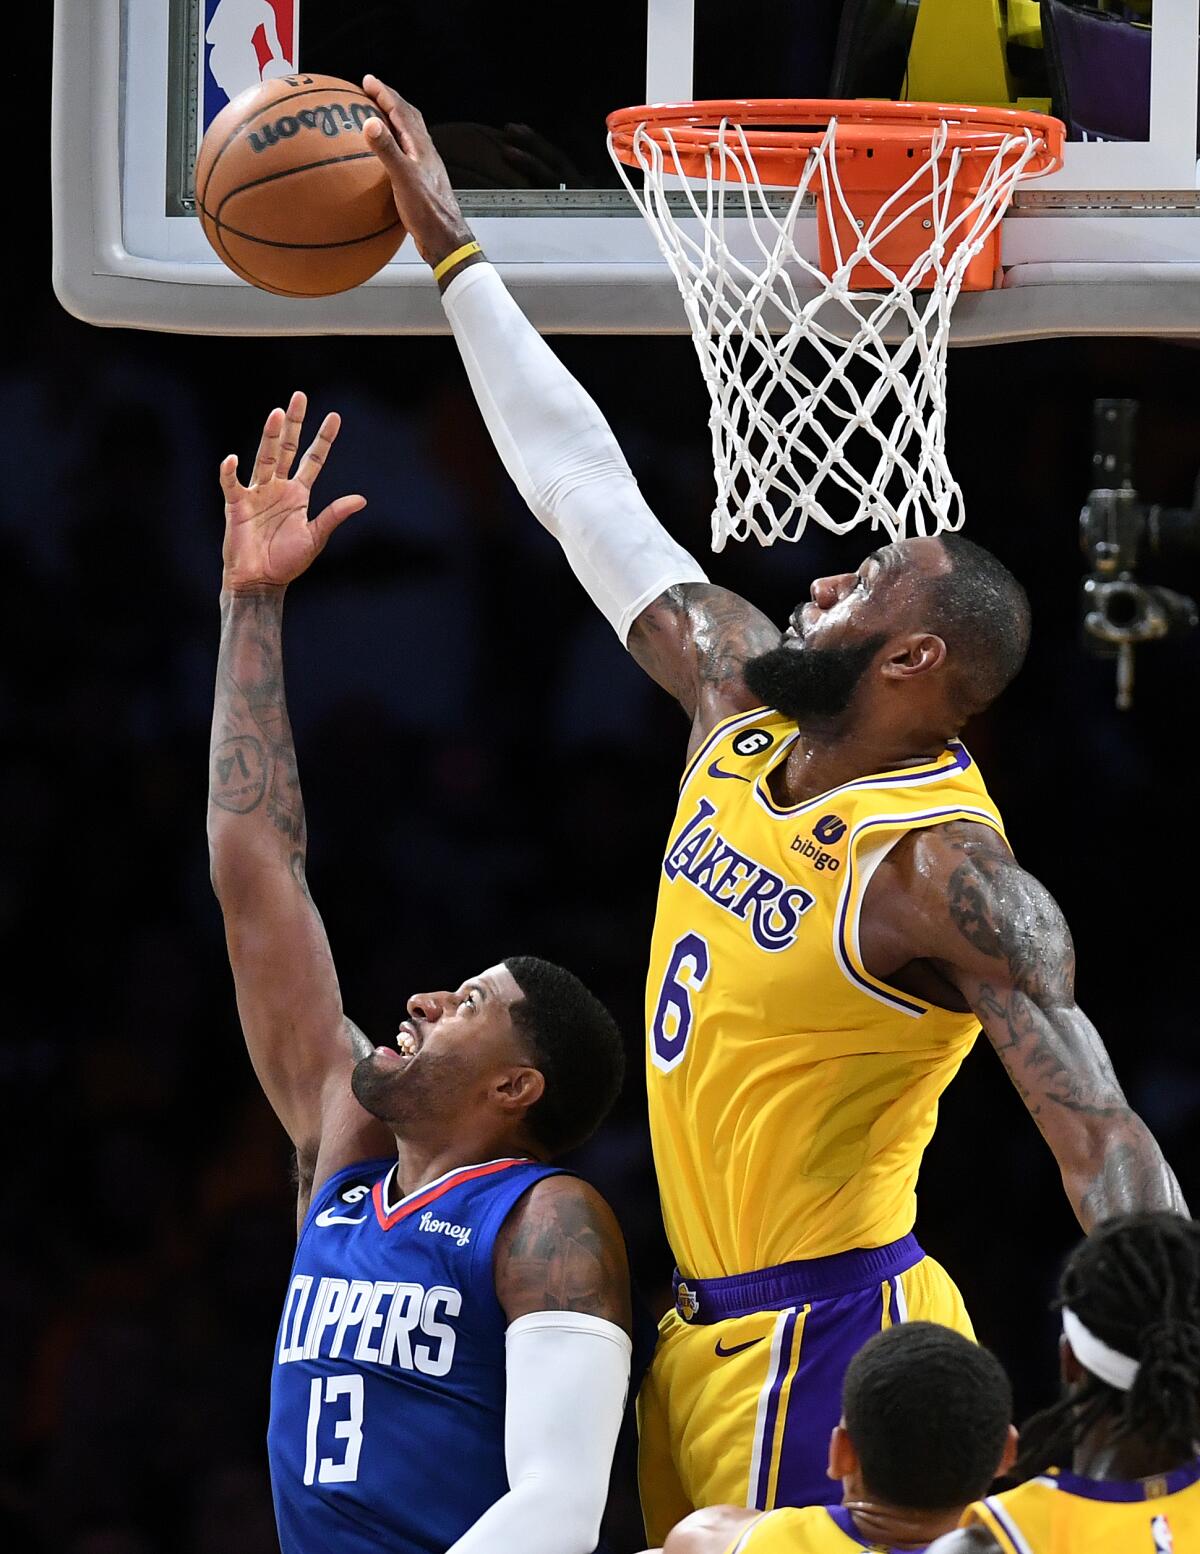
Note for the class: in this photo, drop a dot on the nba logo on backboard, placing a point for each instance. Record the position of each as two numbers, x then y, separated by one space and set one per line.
242 43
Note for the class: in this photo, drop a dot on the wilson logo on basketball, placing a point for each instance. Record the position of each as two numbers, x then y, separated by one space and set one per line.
332 119
289 193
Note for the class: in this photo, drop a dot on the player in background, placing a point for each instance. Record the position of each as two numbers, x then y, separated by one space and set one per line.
1116 1462
839 912
925 1428
453 1357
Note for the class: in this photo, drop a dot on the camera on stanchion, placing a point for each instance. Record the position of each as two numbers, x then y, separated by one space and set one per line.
1119 532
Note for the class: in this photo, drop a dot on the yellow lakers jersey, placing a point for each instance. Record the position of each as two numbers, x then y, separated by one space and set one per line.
815 1529
791 1094
1063 1512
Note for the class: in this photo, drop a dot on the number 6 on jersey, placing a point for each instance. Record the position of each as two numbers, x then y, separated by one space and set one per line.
672 1024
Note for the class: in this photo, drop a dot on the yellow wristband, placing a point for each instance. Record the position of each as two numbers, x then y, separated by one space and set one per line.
451 260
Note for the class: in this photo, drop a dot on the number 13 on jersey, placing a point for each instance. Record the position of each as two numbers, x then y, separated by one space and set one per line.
686 973
348 1430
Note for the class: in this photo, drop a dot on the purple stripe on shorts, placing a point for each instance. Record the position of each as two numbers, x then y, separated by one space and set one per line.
795 1284
834 1332
768 1434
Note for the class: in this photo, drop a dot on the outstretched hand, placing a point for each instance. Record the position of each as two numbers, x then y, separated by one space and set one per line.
425 201
269 538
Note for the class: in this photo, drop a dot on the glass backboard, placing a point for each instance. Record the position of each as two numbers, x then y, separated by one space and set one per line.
1111 244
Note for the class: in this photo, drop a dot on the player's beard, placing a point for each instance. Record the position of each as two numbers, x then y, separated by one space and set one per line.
428 1088
810 683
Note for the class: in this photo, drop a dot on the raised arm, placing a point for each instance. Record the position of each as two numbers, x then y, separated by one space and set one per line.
958 899
694 640
300 1043
561 454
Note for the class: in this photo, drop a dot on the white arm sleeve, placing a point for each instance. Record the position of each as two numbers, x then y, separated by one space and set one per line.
567 1380
561 453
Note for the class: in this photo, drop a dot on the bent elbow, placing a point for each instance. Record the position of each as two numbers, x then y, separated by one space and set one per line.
581 1534
1119 1168
223 866
575 1517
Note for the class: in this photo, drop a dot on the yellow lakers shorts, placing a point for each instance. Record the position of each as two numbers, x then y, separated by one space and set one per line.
746 1382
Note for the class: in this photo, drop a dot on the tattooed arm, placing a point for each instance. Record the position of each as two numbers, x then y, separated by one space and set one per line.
561 1250
961 904
560 1274
562 455
694 640
301 1045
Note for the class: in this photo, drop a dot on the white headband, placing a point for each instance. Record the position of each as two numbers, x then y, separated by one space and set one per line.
1098 1357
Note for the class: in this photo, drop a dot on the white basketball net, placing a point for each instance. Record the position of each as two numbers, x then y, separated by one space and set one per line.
808 397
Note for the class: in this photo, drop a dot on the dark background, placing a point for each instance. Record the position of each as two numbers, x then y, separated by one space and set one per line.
486 773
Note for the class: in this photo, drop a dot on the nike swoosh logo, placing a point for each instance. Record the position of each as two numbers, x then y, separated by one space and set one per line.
736 1348
327 1217
715 771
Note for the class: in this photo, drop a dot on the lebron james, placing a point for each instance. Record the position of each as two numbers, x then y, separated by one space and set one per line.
839 914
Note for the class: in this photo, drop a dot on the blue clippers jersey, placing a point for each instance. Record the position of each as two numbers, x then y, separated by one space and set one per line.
387 1397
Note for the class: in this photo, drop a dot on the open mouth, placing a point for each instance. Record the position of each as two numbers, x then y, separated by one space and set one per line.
402 1047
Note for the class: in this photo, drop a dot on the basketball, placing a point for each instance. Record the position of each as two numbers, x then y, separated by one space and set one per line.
290 195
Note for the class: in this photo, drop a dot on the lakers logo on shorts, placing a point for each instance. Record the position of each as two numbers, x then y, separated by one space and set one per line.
687 1303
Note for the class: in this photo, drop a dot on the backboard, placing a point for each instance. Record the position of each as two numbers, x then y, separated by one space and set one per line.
1109 245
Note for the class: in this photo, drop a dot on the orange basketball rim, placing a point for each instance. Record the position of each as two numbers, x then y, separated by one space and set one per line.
879 150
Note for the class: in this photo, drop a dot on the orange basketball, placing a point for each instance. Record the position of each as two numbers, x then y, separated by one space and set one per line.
290 195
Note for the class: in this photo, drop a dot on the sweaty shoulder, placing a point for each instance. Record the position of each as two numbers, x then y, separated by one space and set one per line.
906 907
932 872
694 640
974 895
561 1249
955 897
929 859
